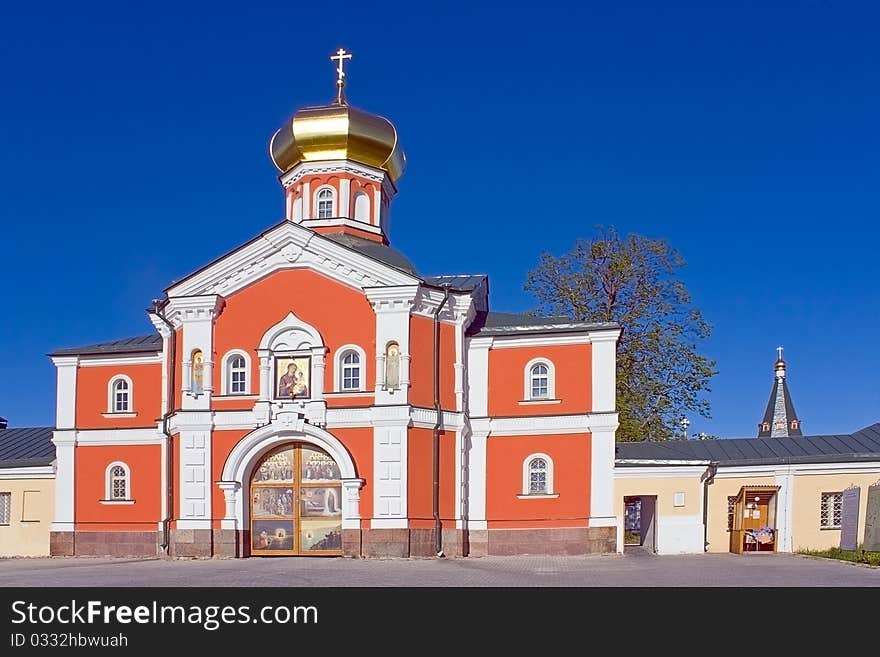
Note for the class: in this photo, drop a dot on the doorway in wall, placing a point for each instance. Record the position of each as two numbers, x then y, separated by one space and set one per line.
640 523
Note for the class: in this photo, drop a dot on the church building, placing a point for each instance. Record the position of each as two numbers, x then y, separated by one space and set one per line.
310 393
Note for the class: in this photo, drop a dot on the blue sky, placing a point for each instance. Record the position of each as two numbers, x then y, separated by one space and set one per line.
133 150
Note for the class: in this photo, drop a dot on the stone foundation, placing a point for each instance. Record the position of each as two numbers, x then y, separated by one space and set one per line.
61 544
368 543
552 541
105 544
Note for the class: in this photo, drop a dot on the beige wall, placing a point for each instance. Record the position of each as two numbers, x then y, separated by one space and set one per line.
806 508
32 500
678 528
722 488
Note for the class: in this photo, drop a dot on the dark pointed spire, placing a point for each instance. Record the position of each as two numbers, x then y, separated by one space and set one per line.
780 419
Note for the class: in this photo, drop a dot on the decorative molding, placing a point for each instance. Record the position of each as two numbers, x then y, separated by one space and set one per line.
323 167
155 358
193 308
114 416
289 245
537 497
398 298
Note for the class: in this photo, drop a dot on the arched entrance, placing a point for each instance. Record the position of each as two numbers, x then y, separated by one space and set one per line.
296 502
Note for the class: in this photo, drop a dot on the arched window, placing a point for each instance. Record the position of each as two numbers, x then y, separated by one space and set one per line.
362 207
324 203
117 487
120 395
350 369
538 475
539 380
236 373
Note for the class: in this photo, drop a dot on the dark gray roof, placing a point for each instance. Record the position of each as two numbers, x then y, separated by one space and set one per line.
463 282
20 448
135 345
375 250
491 323
779 408
863 445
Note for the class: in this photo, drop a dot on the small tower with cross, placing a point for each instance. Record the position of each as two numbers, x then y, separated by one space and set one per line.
339 166
780 419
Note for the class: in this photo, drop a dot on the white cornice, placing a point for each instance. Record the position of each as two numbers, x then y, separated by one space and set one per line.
398 298
460 307
552 424
121 359
87 437
161 326
65 361
29 472
342 221
181 309
290 246
666 471
314 167
772 469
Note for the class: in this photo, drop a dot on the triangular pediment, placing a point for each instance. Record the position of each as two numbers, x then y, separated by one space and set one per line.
289 246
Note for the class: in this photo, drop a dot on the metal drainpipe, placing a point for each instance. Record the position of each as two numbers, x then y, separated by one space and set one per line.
435 501
709 479
169 450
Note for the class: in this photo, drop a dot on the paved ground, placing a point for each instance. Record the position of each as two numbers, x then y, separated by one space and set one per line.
607 570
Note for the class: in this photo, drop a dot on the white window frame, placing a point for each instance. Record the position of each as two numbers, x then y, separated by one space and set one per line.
333 212
111 397
337 368
830 509
7 495
226 378
550 491
108 484
551 380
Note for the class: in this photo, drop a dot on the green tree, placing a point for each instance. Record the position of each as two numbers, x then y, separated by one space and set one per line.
632 281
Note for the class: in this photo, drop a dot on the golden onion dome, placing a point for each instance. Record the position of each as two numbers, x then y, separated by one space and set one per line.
338 132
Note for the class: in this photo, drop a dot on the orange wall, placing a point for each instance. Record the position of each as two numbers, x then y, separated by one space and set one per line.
420 478
421 366
342 316
359 442
571 479
222 443
573 380
145 464
91 395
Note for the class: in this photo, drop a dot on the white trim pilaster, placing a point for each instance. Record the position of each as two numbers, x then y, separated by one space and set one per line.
230 497
602 441
65 474
478 376
784 478
604 364
65 394
475 504
345 198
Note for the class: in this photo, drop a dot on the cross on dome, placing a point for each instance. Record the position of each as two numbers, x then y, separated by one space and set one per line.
340 57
